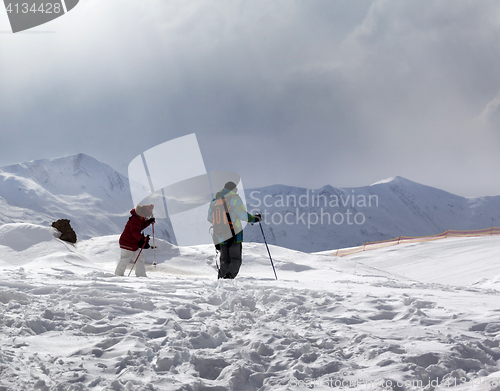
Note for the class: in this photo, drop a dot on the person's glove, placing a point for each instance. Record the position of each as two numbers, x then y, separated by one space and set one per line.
151 220
144 242
146 245
257 217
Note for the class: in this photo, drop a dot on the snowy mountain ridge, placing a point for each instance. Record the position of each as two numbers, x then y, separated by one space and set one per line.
313 220
72 175
96 199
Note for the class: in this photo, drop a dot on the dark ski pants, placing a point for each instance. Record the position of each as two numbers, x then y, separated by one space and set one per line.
230 260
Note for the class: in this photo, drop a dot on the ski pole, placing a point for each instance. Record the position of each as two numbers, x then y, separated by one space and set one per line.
265 241
136 258
154 245
217 264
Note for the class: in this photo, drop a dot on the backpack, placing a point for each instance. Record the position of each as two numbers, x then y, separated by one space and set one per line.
221 222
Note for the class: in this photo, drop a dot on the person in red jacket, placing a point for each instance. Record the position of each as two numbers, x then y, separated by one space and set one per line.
132 240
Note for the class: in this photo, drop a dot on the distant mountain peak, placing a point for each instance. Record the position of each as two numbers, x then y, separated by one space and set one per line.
77 160
90 193
394 179
78 157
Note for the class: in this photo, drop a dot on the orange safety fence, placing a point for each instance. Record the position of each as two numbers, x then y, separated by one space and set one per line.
451 233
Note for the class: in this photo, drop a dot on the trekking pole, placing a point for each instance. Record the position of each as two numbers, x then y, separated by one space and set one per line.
154 246
217 264
265 241
136 258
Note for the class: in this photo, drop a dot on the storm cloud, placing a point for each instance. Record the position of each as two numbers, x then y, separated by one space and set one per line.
296 92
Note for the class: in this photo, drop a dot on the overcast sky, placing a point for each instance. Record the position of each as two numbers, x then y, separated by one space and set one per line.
296 92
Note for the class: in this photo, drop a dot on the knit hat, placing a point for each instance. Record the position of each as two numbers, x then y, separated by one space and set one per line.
144 210
230 186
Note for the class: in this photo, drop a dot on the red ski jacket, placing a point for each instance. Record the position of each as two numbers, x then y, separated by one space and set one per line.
132 235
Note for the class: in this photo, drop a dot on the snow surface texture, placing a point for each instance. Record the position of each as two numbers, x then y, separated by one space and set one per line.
97 200
374 320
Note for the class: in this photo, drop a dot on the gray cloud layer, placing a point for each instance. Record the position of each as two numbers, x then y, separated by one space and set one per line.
305 93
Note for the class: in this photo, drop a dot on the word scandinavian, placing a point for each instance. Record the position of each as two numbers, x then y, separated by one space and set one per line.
311 200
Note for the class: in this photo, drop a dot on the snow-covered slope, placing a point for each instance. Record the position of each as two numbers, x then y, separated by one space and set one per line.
66 323
315 220
419 263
